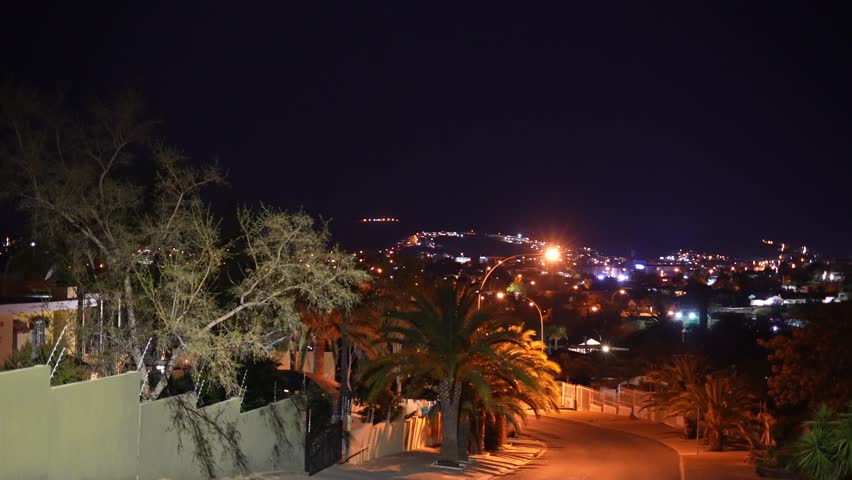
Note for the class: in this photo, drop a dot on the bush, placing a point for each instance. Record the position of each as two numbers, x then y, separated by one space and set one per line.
70 369
824 451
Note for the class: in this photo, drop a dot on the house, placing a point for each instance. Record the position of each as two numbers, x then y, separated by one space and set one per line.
36 323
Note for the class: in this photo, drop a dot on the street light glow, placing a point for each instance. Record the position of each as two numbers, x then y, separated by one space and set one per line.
605 348
552 254
500 295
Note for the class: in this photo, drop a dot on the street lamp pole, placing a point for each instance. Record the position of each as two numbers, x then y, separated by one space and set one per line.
550 254
540 317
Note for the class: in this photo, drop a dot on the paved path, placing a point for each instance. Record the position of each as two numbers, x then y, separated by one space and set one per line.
576 451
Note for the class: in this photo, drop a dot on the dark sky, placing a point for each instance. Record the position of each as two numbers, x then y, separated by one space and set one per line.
622 126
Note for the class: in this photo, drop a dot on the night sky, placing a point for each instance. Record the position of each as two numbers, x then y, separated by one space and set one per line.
625 126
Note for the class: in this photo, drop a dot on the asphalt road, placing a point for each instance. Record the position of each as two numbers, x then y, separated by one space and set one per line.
576 451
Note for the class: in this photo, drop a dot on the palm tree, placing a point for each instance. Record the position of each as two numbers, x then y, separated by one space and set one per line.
723 403
444 340
556 333
522 379
824 452
673 379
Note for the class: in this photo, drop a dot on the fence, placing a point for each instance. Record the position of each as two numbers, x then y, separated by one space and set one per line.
99 430
622 401
368 441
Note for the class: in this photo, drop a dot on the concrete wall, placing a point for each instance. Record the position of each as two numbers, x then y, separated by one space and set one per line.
273 437
93 428
165 451
98 430
23 423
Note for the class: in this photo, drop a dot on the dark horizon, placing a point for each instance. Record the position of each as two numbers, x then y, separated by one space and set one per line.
629 128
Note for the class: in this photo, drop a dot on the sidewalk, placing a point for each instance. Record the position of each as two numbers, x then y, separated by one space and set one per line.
417 465
695 461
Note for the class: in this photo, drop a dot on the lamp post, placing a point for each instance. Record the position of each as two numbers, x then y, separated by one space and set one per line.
540 317
551 254
501 295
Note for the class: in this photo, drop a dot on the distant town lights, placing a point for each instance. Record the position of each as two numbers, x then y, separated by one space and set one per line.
379 220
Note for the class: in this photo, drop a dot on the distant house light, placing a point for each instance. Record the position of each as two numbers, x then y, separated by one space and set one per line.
639 266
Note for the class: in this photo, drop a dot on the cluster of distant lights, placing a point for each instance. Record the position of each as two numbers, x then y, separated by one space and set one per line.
380 220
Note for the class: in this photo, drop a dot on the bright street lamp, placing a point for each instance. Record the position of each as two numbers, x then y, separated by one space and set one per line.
618 292
551 254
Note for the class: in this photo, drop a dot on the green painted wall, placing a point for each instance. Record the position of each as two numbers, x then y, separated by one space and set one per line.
93 429
98 430
273 438
23 423
266 446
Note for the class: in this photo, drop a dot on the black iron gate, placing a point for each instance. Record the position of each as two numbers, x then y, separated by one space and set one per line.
323 446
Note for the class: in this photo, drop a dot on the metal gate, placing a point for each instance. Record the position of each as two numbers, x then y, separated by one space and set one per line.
323 446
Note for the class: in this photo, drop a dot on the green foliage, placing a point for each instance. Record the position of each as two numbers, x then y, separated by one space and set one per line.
126 215
725 406
447 346
69 370
824 451
517 288
674 379
724 402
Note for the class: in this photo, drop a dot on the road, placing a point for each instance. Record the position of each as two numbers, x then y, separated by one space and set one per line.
576 451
